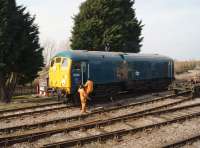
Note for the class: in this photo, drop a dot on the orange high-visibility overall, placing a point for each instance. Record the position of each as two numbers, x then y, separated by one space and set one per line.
83 99
89 87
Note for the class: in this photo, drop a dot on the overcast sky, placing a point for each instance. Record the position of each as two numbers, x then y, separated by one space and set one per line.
172 27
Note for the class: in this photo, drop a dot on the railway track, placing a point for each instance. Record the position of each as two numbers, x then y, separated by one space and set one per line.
34 112
29 108
153 111
117 134
183 142
84 116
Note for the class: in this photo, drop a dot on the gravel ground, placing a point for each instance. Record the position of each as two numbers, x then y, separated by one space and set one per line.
143 139
71 112
193 145
60 114
31 110
194 101
39 118
78 134
127 125
140 98
138 108
155 138
29 100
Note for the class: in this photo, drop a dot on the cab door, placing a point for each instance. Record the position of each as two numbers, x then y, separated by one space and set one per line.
80 73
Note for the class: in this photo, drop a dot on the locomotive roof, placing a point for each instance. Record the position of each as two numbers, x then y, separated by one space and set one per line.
77 55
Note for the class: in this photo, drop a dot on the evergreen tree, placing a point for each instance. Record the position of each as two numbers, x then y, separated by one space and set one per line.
107 25
20 52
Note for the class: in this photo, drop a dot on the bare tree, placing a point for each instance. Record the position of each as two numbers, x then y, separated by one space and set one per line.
64 45
49 50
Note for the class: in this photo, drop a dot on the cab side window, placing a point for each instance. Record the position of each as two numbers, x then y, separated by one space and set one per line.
58 60
64 63
52 63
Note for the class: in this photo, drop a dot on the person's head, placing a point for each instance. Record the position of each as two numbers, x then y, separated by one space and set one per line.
89 79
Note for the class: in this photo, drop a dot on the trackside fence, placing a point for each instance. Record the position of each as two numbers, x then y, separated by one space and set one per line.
25 90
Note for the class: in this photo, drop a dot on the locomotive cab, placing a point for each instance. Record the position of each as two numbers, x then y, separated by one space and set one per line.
60 74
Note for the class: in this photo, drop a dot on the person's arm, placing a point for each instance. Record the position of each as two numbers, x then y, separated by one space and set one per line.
86 84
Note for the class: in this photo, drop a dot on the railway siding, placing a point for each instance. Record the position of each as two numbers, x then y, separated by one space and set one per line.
84 116
118 133
30 107
183 142
33 137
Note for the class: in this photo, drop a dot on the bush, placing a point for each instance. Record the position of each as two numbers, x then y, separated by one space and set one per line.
184 66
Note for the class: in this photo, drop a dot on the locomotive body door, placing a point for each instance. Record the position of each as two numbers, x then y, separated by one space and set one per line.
80 73
85 71
170 70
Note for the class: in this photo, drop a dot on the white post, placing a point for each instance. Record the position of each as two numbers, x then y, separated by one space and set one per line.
88 71
82 73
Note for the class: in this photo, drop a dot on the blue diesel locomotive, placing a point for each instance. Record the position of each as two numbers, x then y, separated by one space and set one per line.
110 71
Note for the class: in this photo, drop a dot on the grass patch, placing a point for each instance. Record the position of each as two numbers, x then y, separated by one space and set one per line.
23 97
26 101
185 66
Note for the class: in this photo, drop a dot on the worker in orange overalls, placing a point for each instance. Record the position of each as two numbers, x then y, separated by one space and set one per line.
83 98
89 89
89 86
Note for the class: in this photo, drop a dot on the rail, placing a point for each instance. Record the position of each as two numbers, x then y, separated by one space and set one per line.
38 135
118 133
83 116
